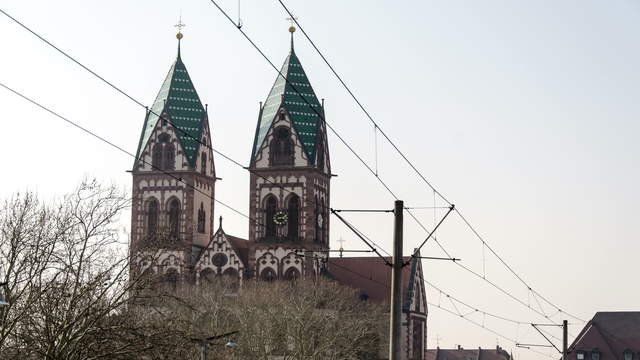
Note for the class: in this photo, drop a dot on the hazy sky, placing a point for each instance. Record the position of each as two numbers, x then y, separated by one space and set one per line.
523 113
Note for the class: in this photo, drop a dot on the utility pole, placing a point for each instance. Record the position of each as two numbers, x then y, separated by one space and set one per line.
565 330
396 285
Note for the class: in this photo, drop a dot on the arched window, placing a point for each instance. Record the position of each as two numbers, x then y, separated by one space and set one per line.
281 147
316 213
201 219
203 163
174 218
207 276
291 274
231 278
269 213
171 279
293 217
268 274
163 155
156 157
152 217
169 156
322 223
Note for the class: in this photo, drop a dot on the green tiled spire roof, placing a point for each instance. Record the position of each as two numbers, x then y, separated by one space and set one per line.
286 93
179 100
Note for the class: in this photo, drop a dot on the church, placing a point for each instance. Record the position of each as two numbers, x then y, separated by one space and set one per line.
174 180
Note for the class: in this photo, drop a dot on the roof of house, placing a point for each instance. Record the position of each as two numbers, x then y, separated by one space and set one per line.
611 333
179 101
293 92
368 274
497 353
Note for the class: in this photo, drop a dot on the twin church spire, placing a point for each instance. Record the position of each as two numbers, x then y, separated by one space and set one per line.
289 177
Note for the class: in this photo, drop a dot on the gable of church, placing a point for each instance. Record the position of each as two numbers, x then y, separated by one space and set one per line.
223 255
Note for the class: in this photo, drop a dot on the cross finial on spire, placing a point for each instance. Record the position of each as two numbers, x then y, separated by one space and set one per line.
179 25
341 241
292 28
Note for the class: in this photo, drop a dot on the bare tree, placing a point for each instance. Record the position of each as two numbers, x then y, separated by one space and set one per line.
301 319
67 276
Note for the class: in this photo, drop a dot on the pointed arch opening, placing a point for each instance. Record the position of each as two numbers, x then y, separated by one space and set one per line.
291 274
271 206
293 224
203 163
156 157
169 156
268 274
174 217
281 148
152 217
170 279
201 218
207 276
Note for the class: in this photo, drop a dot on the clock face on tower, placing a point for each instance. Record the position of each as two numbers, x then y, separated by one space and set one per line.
280 218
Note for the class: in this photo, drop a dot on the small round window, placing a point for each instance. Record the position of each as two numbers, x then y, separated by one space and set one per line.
219 260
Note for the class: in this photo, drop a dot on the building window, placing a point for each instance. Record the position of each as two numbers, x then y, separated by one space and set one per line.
269 213
203 163
316 215
174 218
171 279
169 157
268 274
628 355
291 274
580 355
281 147
201 219
152 217
418 339
156 157
595 354
293 217
163 155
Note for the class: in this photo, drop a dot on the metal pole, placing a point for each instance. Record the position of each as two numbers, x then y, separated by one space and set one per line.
565 330
396 285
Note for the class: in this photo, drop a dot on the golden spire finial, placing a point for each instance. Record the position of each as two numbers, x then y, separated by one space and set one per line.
180 25
292 20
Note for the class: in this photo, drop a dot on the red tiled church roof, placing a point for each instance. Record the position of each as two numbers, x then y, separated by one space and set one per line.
368 274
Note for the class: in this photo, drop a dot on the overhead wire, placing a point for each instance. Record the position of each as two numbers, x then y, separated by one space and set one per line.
415 169
458 315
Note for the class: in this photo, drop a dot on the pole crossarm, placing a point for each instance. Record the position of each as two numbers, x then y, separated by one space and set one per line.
437 258
373 249
535 326
415 253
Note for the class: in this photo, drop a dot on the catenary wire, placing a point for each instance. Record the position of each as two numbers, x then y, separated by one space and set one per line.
369 278
322 118
412 165
139 103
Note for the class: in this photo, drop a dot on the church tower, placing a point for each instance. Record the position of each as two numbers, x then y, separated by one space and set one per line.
173 176
289 181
